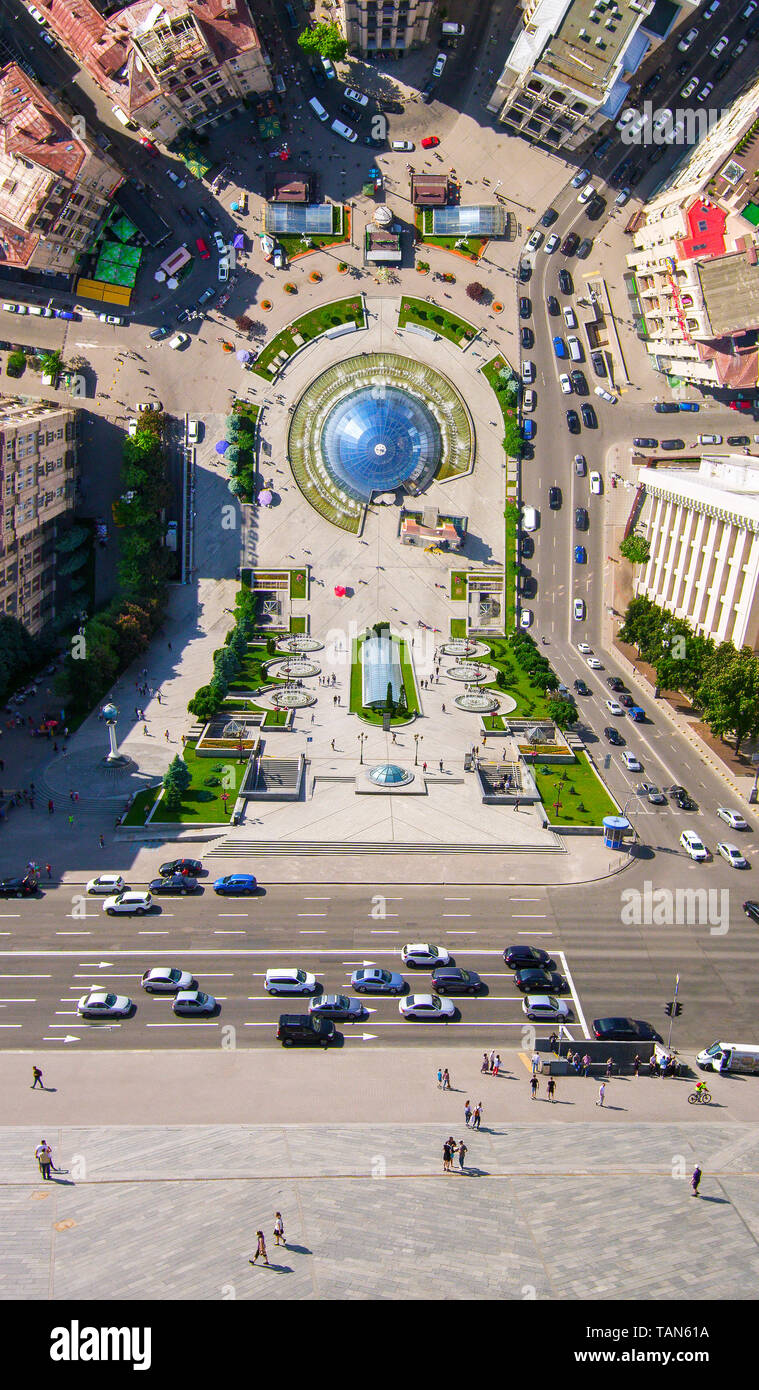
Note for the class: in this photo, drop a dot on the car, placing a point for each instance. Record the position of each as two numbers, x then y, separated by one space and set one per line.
528 958
22 887
578 610
623 1030
528 371
430 141
677 791
666 407
203 250
440 62
581 518
552 304
535 241
403 146
158 333
689 88
193 867
278 258
554 498
175 178
128 902
580 178
167 979
653 794
631 762
423 953
111 318
179 340
605 395
739 441
568 247
371 979
526 337
584 649
645 442
596 481
525 618
686 803
526 547
672 444
552 244
529 399
614 683
568 314
751 910
733 818
579 382
15 308
549 217
599 363
220 243
622 197
705 92
47 38
99 1004
565 282
613 735
106 883
585 248
525 272
525 307
595 207
614 708
594 663
733 855
339 1006
289 980
223 270
132 427
192 1002
235 884
193 431
537 981
686 42
528 429
545 1008
694 847
35 13
565 384
581 466
590 421
740 48
207 217
573 422
451 979
358 98
580 554
421 1006
581 688
741 404
347 110
305 1028
719 46
587 193
178 883
710 439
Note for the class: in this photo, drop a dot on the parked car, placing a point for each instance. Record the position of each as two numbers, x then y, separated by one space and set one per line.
589 420
644 442
158 333
545 1008
565 282
599 363
573 422
580 178
175 178
430 141
105 883
21 887
623 1030
134 901
585 248
569 245
235 884
551 245
525 308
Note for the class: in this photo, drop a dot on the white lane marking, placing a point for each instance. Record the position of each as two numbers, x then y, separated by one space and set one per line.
460 931
10 914
233 914
152 933
456 914
524 900
311 931
578 1006
18 1001
534 933
188 1023
410 1023
457 900
26 977
73 933
391 931
529 916
229 931
317 900
13 1025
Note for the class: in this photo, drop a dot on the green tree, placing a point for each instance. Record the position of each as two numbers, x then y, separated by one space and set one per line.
512 436
324 39
562 712
204 703
16 364
635 548
729 697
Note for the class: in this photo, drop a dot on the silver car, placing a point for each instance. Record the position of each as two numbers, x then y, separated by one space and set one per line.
372 980
337 1006
193 1001
166 979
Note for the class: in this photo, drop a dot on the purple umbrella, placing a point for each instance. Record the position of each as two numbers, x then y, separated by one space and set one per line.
243 355
239 242
265 498
222 446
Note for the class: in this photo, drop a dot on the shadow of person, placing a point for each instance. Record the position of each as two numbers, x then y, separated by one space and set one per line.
298 1249
468 1172
720 1201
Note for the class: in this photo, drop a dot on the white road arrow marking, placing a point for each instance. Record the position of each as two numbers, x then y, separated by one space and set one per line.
70 1037
362 1037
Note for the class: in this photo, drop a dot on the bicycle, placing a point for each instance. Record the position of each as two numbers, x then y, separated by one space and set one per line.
700 1097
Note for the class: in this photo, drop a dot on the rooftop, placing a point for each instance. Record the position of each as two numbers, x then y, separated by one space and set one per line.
730 287
578 43
429 190
729 482
706 227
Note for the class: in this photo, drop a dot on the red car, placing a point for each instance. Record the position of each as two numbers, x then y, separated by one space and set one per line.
430 141
740 405
149 146
202 248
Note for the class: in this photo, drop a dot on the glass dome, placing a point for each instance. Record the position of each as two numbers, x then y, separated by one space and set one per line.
390 775
378 438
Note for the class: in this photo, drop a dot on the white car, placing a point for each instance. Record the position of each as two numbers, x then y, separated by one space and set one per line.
614 707
580 178
693 846
166 979
137 902
528 371
624 194
289 981
536 240
690 38
719 46
15 308
733 818
179 340
401 146
578 610
131 427
180 183
440 63
689 88
426 1006
192 431
221 245
36 16
99 1004
584 649
605 395
106 883
358 98
632 763
193 1001
147 405
545 1007
595 664
423 953
587 193
733 855
632 122
224 270
525 618
551 244
569 316
529 400
110 318
596 484
565 384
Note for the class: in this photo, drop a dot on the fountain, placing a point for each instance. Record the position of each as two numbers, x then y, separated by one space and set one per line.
473 672
476 701
299 642
292 697
295 668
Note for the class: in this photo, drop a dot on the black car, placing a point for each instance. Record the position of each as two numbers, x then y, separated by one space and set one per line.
751 910
193 867
570 244
613 736
677 791
741 441
178 883
643 441
158 333
527 547
18 887
184 315
686 803
528 958
589 416
682 68
581 518
526 336
585 248
672 444
554 498
624 1030
573 422
549 217
582 688
427 93
184 213
579 382
614 683
318 74
525 271
720 70
450 979
652 83
565 282
540 982
627 701
666 407
595 208
553 304
525 307
599 363
347 110
207 217
304 1028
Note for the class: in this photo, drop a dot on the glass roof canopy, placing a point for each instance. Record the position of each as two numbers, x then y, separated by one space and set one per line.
487 219
377 438
299 217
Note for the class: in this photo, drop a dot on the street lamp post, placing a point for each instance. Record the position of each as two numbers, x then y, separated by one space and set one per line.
417 737
361 738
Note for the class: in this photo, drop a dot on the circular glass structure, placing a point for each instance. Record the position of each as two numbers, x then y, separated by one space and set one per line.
390 775
379 437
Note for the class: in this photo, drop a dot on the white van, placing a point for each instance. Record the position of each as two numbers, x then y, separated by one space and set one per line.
318 109
575 350
452 30
123 119
738 1057
345 131
529 519
402 146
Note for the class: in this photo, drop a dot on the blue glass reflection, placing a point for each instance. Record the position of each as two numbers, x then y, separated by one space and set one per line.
378 438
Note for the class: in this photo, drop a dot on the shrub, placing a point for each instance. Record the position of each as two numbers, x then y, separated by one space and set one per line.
475 290
16 364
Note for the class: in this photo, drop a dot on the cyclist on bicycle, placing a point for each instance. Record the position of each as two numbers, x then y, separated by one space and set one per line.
700 1086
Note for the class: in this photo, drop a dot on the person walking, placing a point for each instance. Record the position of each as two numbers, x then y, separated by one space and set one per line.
332 745
601 1094
491 1060
551 1088
101 841
71 820
477 1115
636 1065
534 1084
609 1067
535 1061
442 709
145 730
496 1064
50 808
260 1249
166 735
44 1156
467 1113
447 1156
462 1152
695 1181
440 1078
586 1065
485 1063
441 764
279 1229
37 1074
446 1080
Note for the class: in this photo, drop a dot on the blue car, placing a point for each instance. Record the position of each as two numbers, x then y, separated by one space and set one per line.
64 314
235 883
528 429
580 555
559 347
688 405
373 980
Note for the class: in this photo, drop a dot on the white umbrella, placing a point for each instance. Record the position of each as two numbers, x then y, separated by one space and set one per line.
160 275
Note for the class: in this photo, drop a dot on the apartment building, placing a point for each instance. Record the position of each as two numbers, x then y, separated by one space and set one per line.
166 66
703 529
55 186
384 26
38 475
572 66
693 278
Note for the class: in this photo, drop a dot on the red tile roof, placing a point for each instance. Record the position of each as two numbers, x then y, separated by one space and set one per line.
735 366
706 223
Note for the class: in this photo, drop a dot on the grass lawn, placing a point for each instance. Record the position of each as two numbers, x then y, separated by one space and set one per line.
510 567
310 326
138 811
298 623
458 627
458 584
298 584
373 716
531 703
508 403
294 245
584 800
247 410
493 724
278 717
471 251
251 674
438 320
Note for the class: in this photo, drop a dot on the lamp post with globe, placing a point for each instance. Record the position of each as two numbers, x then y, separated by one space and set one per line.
110 714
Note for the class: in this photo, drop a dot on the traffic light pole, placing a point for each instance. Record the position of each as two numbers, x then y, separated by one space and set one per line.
674 1011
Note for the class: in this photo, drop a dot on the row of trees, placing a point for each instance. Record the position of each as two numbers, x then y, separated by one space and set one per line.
113 638
20 654
228 660
240 457
722 682
542 676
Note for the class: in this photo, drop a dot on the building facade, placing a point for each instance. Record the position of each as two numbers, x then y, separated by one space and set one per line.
169 66
55 186
703 530
384 26
39 466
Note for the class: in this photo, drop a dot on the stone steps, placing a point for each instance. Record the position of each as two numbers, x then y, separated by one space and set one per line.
238 849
